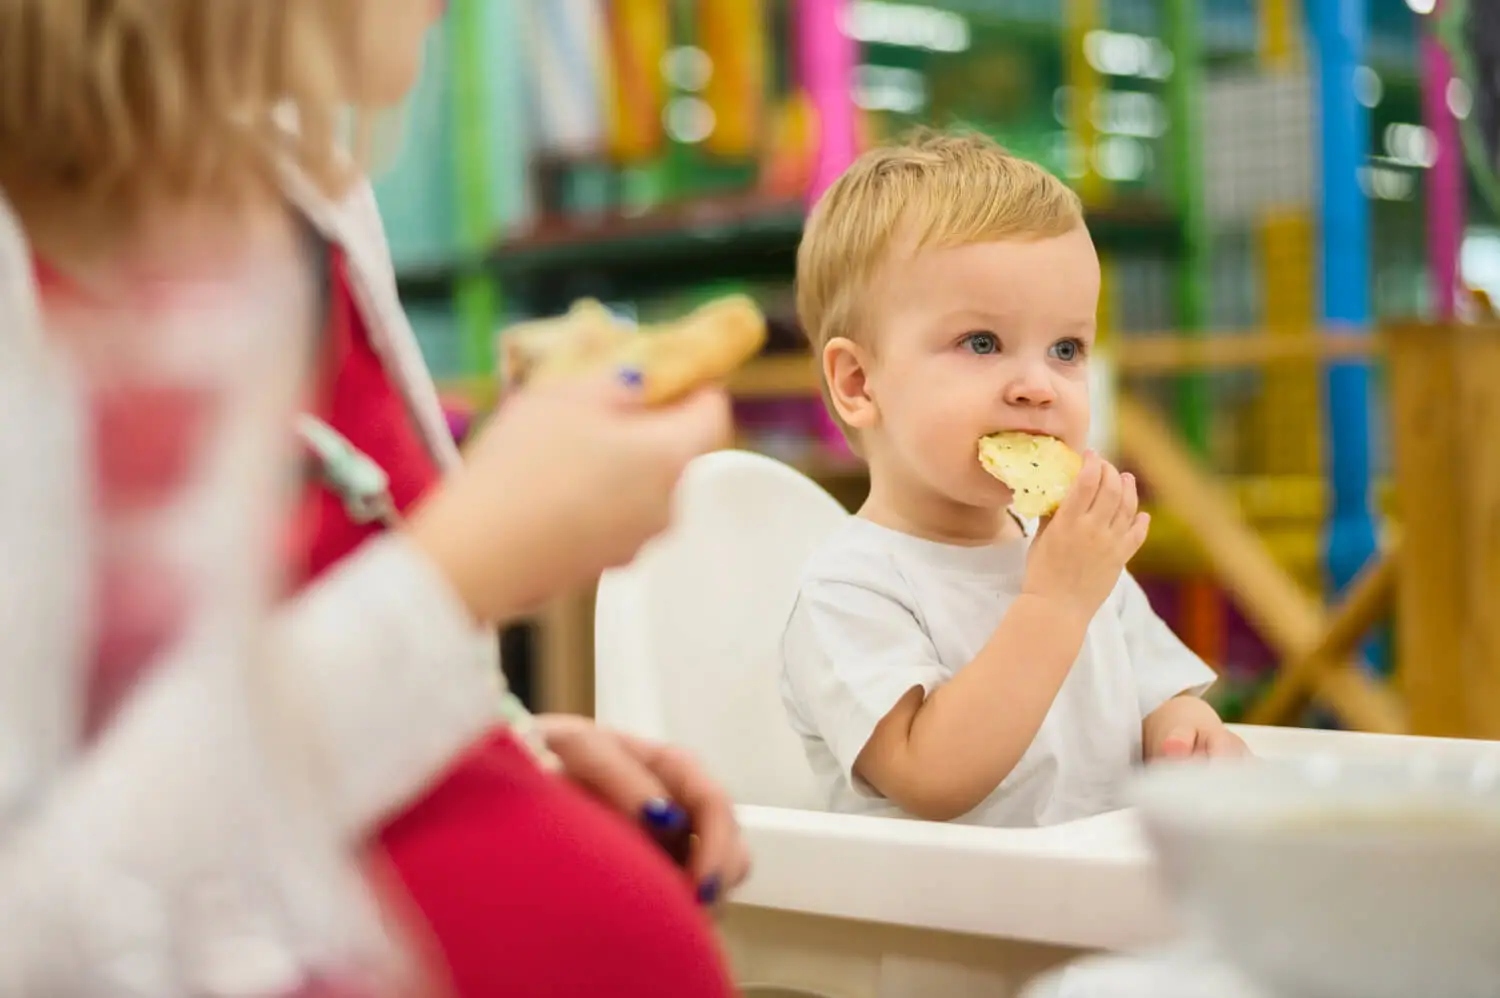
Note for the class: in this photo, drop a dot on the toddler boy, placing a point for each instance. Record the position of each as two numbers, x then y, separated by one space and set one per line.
945 659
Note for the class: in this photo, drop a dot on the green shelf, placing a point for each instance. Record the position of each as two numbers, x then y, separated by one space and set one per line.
701 242
705 242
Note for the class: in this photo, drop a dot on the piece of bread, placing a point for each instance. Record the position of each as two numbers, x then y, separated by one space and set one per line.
567 343
670 359
1039 470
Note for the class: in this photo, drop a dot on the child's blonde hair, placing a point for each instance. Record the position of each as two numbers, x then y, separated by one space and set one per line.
124 103
933 189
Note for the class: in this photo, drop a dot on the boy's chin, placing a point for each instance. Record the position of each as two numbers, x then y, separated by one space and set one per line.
989 495
996 495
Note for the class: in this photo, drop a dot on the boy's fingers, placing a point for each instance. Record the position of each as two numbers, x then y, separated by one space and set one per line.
1129 502
1107 502
1085 488
1136 537
1179 743
1225 743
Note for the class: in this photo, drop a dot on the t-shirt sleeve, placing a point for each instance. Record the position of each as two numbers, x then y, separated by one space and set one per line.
1164 666
850 652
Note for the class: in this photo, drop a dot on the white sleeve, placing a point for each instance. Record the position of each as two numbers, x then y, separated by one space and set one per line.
388 679
377 681
1164 667
849 654
155 841
102 849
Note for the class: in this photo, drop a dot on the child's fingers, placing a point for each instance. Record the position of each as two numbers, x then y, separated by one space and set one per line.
707 418
701 422
1107 501
1085 488
1179 743
1129 502
695 424
620 386
719 860
664 790
596 760
1223 743
1135 537
584 389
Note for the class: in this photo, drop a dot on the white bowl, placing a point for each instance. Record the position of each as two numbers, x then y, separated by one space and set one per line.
1327 877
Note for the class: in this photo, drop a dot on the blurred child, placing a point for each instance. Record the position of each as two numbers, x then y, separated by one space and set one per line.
945 659
181 165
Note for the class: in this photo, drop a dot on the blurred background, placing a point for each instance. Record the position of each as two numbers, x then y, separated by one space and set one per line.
1270 183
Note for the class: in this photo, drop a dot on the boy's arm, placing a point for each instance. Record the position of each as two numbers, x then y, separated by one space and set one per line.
853 648
938 756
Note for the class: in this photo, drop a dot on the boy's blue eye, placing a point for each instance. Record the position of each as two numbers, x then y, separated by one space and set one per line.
982 343
1067 351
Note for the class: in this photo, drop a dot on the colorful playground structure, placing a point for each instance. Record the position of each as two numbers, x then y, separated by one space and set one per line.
1246 267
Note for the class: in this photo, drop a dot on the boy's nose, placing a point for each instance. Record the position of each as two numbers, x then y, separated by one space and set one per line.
1030 388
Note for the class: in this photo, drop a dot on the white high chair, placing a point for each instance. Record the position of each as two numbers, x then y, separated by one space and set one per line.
844 906
838 905
686 637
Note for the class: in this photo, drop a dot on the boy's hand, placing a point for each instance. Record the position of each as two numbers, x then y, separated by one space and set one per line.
1186 726
1083 548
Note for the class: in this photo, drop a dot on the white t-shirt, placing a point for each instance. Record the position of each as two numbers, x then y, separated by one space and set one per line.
880 612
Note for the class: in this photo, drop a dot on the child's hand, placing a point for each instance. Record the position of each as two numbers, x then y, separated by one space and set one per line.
1187 726
1081 550
570 478
660 786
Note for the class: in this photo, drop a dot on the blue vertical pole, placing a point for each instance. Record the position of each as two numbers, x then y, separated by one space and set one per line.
1339 30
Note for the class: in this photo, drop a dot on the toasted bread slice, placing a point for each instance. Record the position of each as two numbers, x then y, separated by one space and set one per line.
671 359
1039 470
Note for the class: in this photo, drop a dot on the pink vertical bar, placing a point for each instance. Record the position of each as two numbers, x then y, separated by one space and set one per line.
825 62
825 58
1445 181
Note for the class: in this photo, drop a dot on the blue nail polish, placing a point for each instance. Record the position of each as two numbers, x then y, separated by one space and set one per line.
662 814
631 377
708 890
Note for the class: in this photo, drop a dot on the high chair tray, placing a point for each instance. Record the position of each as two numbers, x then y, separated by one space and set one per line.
1085 884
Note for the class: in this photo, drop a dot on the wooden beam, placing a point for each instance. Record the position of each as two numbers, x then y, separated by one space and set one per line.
778 375
1290 618
1366 602
784 375
1172 353
1477 353
1287 615
1140 354
565 655
1430 446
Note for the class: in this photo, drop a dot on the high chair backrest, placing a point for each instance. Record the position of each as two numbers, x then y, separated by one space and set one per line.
687 636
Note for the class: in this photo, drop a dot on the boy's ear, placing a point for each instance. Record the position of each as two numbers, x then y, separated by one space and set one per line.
845 371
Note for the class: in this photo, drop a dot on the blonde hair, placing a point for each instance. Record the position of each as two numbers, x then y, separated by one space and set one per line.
121 104
932 189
